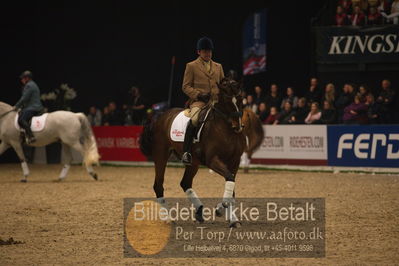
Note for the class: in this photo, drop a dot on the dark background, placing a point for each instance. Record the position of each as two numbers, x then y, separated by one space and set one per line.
103 49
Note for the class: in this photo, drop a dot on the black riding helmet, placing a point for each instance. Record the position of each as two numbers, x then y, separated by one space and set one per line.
205 43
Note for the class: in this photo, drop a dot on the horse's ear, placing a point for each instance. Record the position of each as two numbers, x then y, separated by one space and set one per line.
222 84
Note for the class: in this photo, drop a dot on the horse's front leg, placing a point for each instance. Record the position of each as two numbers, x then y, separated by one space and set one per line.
20 152
228 201
186 184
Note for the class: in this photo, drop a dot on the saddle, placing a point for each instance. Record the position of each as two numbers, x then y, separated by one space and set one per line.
179 125
37 123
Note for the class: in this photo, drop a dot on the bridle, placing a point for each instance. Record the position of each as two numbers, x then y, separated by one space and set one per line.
230 115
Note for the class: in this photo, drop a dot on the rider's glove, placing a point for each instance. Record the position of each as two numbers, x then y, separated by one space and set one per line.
203 97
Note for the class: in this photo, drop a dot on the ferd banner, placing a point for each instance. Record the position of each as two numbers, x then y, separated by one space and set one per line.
357 44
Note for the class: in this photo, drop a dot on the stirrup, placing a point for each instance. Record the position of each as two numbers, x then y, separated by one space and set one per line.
186 158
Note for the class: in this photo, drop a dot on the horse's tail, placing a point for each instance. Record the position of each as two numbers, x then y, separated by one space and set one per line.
91 155
254 132
146 139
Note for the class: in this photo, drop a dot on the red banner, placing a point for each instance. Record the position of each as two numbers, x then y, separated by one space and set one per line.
119 143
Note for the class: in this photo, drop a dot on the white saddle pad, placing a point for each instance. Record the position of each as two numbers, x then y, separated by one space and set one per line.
179 125
38 122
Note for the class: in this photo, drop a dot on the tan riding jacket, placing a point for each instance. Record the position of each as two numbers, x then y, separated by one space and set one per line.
198 80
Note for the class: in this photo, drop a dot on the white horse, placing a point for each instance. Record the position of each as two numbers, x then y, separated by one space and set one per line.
73 129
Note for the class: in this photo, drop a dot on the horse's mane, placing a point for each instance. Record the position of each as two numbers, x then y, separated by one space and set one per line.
4 107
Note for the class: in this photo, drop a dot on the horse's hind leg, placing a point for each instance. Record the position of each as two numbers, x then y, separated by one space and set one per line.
160 160
67 161
3 147
77 146
186 184
20 152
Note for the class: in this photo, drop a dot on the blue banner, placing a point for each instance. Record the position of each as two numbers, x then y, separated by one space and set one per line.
372 146
254 43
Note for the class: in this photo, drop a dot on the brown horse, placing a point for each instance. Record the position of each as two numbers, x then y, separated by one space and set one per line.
254 134
221 146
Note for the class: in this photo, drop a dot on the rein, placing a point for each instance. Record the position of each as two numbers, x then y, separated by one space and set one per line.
225 116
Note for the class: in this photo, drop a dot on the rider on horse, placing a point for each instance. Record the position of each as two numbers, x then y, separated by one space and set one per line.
29 103
200 84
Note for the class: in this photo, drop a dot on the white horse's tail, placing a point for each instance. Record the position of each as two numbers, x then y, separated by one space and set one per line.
91 155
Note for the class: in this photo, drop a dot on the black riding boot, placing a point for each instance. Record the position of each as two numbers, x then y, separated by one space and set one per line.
29 138
188 141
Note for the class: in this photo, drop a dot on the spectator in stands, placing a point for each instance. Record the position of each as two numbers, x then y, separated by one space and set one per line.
346 6
258 98
328 115
341 19
285 115
314 114
104 120
244 97
363 92
274 98
352 89
394 16
329 93
300 113
357 18
272 118
290 98
374 110
262 111
114 116
363 4
373 3
386 100
94 116
137 106
250 104
384 6
356 112
314 92
374 17
343 101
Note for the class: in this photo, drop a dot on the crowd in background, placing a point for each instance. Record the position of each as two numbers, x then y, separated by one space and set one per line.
133 112
351 105
367 12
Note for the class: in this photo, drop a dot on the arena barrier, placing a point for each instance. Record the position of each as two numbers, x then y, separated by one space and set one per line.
119 143
335 146
298 145
313 147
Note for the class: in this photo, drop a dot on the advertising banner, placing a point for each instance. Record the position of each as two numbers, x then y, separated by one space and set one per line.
297 144
371 146
119 143
357 44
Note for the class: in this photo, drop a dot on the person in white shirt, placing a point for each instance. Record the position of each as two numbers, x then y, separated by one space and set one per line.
394 16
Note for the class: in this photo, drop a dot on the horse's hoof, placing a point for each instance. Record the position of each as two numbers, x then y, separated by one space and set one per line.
236 224
246 170
219 212
24 180
59 180
94 175
198 215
